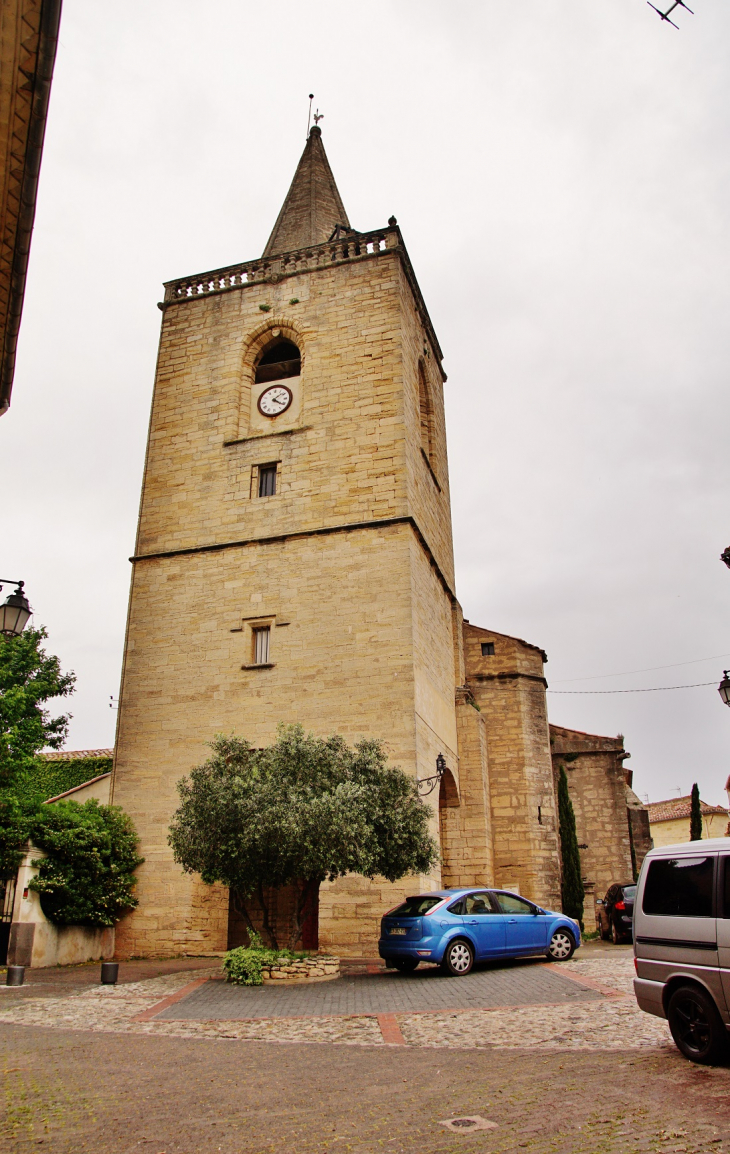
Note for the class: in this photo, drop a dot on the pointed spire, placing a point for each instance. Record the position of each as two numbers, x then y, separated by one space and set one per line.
313 208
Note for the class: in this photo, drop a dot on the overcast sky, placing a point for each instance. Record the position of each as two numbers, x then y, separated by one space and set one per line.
560 170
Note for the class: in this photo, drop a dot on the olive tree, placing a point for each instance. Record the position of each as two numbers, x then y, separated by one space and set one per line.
297 812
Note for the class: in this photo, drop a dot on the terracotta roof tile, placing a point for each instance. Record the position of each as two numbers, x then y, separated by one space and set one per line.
74 754
679 807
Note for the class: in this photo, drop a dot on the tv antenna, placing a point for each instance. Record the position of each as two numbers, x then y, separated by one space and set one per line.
670 9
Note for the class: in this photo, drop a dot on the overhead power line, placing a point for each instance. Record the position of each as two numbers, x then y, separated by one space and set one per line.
654 689
649 669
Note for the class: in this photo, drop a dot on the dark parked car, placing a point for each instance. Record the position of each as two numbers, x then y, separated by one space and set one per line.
616 913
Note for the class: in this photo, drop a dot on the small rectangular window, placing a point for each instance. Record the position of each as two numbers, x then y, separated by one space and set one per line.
679 887
267 480
487 649
261 645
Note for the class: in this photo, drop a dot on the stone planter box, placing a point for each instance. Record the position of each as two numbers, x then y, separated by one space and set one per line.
316 969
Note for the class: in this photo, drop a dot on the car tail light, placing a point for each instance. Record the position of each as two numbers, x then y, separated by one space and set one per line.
620 906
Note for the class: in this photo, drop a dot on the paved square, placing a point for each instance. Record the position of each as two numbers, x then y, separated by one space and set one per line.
522 984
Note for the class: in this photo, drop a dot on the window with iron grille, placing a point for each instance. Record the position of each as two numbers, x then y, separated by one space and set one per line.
267 480
261 639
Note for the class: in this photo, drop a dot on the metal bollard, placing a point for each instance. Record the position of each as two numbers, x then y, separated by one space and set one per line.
109 973
16 976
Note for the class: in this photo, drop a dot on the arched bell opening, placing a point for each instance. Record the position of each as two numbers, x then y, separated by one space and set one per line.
281 359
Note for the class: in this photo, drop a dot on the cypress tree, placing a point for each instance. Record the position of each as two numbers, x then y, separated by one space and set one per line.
572 890
695 815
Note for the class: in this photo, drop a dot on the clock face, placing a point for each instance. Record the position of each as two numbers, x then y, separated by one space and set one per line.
275 400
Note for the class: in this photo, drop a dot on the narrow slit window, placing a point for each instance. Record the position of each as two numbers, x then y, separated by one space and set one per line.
487 649
261 639
267 480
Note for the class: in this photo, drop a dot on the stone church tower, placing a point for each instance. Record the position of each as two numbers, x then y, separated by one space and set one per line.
294 556
294 563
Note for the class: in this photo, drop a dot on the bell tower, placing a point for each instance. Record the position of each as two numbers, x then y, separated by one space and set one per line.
294 556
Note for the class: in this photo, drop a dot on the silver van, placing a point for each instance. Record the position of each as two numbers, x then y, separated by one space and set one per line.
682 944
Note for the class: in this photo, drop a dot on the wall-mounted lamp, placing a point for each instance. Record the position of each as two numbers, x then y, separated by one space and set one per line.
433 781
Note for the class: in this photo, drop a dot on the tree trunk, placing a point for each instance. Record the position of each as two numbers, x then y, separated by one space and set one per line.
307 894
240 907
273 942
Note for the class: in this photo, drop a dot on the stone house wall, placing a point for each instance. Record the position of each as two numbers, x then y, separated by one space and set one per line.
594 767
508 687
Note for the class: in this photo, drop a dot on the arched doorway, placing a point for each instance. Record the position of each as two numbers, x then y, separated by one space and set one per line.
449 831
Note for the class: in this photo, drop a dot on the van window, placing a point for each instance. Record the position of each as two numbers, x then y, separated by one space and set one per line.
725 911
679 887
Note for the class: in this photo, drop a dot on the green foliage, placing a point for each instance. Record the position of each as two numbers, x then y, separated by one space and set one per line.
695 815
243 965
87 878
16 821
302 810
50 778
572 889
29 677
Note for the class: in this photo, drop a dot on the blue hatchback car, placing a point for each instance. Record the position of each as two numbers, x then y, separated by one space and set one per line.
456 928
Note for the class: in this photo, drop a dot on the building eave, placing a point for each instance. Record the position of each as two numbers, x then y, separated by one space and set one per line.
18 216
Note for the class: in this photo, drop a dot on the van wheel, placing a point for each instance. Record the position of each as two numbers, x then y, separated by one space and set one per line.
458 959
696 1026
405 965
562 946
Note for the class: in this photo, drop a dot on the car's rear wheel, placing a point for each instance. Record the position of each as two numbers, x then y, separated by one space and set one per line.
406 965
696 1026
615 935
458 959
562 946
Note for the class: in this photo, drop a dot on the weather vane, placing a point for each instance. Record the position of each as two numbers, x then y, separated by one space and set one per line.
317 116
665 15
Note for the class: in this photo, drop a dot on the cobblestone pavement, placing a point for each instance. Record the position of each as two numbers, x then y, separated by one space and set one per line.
109 1069
70 1092
532 1005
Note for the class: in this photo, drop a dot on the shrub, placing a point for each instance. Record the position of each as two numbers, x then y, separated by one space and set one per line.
16 820
573 893
244 964
87 878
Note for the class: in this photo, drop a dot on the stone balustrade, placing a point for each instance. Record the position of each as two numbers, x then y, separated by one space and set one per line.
270 270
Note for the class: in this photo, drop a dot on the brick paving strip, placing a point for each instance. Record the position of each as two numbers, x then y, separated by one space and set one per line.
589 1018
153 1011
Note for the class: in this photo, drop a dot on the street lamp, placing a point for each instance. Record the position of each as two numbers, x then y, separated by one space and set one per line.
726 556
14 611
724 687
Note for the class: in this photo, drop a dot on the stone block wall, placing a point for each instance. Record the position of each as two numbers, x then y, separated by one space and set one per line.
509 688
594 767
